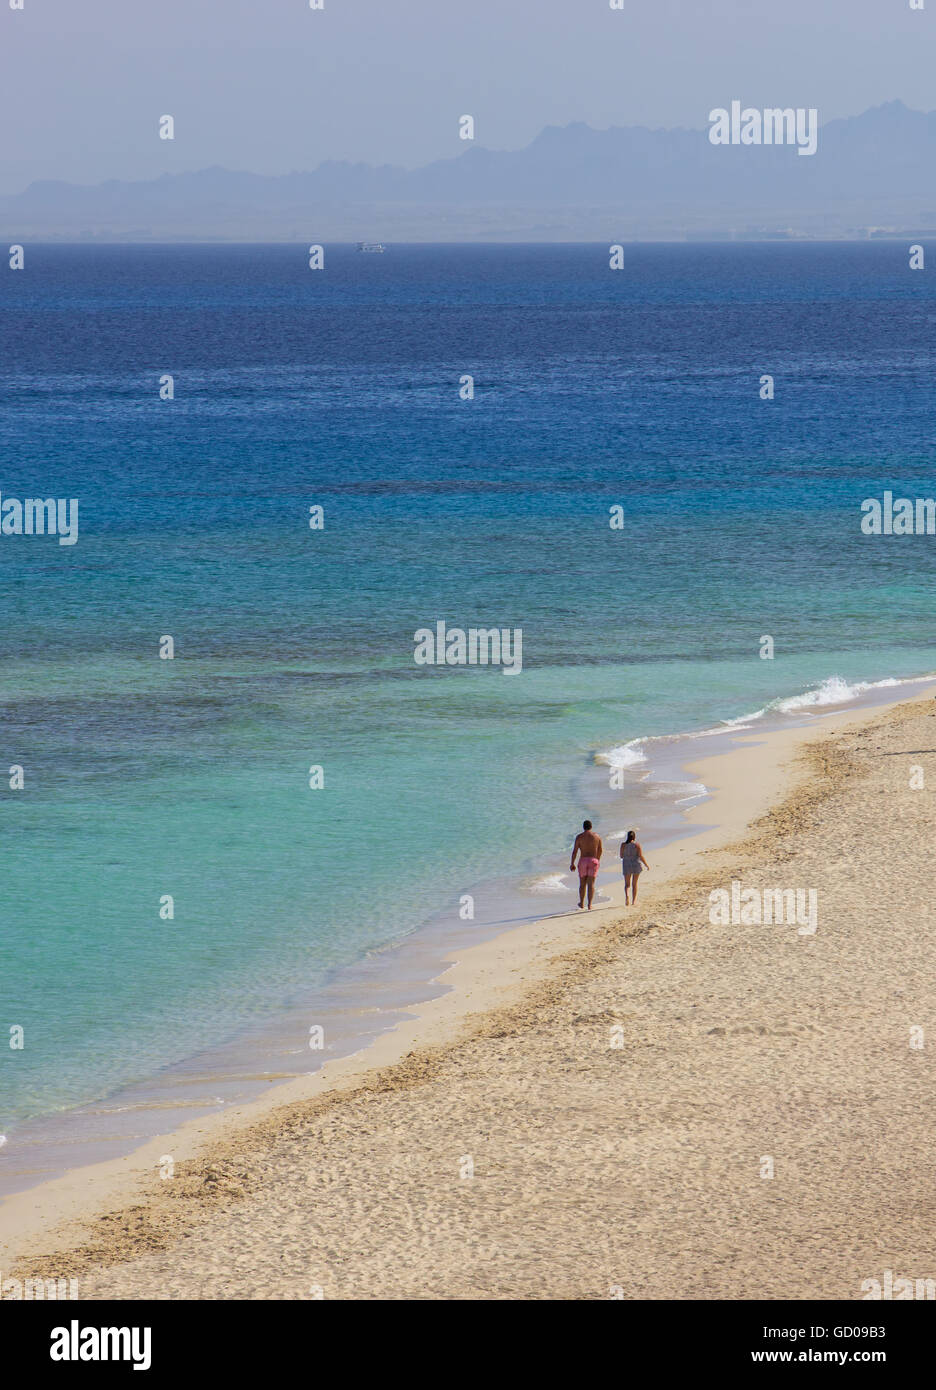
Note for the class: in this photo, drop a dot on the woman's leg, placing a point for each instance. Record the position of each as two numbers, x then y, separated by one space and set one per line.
634 890
628 883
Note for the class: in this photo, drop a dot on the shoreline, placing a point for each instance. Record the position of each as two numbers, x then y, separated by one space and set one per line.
744 785
359 1001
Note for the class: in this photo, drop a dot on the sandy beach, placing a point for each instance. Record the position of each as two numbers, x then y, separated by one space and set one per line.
635 1103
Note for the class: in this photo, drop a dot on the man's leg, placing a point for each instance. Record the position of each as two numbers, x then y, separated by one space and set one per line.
591 889
582 882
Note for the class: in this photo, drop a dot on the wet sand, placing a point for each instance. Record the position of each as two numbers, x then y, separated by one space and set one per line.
595 1107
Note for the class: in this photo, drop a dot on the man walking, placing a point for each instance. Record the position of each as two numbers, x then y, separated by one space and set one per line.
589 849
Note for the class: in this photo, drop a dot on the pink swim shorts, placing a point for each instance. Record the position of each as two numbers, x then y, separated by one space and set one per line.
588 867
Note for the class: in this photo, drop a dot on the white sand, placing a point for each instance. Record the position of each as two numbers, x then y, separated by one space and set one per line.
596 1166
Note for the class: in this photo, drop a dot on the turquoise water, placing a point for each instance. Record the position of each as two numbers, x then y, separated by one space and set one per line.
190 777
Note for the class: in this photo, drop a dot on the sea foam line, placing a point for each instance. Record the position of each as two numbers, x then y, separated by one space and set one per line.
834 690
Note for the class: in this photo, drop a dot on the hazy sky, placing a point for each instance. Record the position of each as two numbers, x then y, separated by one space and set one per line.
270 85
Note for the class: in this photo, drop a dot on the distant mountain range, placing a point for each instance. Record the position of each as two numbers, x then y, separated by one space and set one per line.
870 171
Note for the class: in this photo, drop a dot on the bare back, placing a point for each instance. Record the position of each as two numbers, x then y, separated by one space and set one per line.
588 844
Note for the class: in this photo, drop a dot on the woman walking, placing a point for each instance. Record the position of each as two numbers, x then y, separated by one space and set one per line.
632 865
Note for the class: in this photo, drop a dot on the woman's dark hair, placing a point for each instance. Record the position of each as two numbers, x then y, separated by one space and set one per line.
631 835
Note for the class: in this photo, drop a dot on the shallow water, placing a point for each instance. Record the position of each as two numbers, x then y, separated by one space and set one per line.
190 777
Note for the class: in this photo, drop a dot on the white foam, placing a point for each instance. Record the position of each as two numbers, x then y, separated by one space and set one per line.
551 883
624 755
659 791
833 691
694 791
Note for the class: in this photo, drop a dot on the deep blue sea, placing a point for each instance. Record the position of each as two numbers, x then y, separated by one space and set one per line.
594 388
